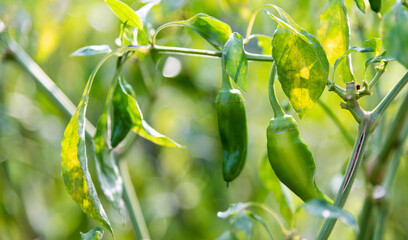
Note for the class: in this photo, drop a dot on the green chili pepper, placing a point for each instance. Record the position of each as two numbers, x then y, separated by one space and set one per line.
289 156
233 129
375 5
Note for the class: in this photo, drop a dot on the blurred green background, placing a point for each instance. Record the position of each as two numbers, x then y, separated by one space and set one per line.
180 190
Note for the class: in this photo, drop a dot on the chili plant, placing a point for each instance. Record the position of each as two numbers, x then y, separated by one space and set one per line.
305 65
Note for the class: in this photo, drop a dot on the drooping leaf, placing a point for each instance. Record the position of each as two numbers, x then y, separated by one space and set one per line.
234 59
209 28
320 208
289 23
300 71
93 234
74 165
346 54
395 30
271 182
361 5
91 50
375 44
107 170
125 13
334 34
129 111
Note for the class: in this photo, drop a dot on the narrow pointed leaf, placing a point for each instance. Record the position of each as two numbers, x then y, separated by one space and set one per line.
235 60
209 28
395 28
320 208
74 165
334 34
93 234
383 57
125 13
346 54
91 50
361 5
129 112
107 170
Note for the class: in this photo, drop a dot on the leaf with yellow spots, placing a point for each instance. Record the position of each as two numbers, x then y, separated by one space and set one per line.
334 34
300 71
74 165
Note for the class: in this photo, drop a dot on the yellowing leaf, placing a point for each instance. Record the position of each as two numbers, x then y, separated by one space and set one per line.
74 165
300 71
125 13
74 169
334 34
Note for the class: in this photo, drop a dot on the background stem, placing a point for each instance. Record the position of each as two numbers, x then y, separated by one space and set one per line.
355 161
132 204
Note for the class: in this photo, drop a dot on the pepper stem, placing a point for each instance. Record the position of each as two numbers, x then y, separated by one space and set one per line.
277 109
226 82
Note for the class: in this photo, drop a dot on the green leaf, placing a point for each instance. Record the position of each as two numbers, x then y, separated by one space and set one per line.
209 28
107 170
346 54
234 59
320 208
334 34
129 111
271 182
361 5
74 165
91 50
93 234
125 13
301 72
374 43
395 30
383 57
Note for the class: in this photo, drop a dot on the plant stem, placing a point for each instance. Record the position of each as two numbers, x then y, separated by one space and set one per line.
354 163
204 53
365 222
132 204
383 207
43 81
391 140
277 109
337 122
377 75
379 110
